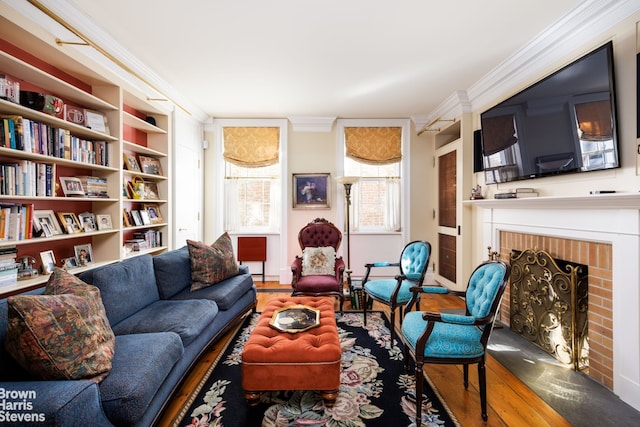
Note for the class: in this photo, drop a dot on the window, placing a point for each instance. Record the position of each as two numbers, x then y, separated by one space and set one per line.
250 172
372 150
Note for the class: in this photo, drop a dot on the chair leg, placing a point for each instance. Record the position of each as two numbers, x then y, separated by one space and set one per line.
419 391
364 307
482 383
465 375
392 326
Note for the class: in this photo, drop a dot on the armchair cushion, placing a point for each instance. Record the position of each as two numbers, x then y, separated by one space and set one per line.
319 261
383 289
447 340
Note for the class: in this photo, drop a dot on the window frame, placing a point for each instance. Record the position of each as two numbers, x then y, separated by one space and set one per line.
405 183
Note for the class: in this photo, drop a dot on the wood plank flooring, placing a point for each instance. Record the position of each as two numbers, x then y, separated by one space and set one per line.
510 402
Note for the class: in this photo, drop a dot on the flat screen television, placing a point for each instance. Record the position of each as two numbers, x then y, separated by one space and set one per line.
565 123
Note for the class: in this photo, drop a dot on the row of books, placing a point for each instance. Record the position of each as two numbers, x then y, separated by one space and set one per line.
8 266
27 178
143 240
19 133
15 221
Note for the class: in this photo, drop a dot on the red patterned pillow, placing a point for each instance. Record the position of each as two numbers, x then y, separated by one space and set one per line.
63 333
211 264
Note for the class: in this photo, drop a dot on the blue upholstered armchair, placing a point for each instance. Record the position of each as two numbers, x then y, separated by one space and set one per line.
456 338
395 292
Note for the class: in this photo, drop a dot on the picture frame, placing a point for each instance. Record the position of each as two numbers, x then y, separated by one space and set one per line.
96 120
70 263
71 186
144 215
155 216
48 261
150 165
151 191
45 222
311 191
83 253
127 219
131 163
137 219
70 222
103 221
87 221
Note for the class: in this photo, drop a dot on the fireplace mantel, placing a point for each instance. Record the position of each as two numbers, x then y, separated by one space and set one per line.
599 201
608 218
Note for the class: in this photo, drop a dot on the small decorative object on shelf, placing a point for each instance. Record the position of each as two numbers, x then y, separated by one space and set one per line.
48 261
95 120
154 213
83 254
130 162
476 193
9 89
87 221
150 165
70 222
42 102
104 222
71 186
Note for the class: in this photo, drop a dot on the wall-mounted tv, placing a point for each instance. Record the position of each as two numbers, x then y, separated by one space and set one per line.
565 123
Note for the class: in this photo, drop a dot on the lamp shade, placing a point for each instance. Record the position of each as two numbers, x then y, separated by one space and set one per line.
347 179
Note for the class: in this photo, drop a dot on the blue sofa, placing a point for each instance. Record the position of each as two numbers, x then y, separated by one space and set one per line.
161 329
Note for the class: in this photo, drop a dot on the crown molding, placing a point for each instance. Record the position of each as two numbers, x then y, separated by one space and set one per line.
451 108
586 24
311 123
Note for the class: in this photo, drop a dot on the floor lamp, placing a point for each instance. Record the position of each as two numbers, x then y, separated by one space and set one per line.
348 181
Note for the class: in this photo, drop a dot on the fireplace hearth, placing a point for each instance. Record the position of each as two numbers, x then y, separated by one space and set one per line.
549 305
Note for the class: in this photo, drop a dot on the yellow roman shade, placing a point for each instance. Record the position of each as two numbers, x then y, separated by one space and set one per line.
251 147
374 145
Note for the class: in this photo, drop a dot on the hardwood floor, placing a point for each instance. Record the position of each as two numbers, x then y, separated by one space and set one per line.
510 402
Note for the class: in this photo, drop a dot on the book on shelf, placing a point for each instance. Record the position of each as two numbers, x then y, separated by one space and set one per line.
516 195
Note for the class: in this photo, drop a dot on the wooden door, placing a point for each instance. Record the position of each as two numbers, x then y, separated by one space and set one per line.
447 215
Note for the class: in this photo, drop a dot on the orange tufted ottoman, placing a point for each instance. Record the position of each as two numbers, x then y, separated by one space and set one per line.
309 360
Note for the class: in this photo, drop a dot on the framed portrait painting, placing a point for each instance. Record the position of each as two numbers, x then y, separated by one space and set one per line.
311 191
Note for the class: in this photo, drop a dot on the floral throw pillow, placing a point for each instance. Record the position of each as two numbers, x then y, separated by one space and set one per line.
211 264
319 261
63 333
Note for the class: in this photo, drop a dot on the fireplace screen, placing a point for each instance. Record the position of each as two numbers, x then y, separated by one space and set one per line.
549 305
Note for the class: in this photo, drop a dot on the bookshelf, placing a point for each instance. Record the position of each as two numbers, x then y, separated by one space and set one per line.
48 147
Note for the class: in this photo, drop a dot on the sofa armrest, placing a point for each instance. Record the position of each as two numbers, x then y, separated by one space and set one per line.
67 403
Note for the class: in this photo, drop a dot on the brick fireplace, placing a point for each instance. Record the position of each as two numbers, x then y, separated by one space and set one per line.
597 256
603 232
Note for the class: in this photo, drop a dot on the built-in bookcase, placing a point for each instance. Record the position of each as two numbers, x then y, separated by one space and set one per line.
48 147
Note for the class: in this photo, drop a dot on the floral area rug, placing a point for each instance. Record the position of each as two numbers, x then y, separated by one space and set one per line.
374 390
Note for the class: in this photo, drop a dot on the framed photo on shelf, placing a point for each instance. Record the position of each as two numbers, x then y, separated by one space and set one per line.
311 191
70 263
48 261
137 219
151 191
131 163
145 217
69 222
103 221
96 120
155 216
71 186
87 221
150 165
83 253
127 219
45 223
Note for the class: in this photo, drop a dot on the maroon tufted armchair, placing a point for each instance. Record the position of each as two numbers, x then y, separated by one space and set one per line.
319 233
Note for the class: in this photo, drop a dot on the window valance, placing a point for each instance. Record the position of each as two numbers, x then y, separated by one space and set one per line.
374 145
594 120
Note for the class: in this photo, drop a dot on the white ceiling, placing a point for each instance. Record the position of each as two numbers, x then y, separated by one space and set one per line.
344 58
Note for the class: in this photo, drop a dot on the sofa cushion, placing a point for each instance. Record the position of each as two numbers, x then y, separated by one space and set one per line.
63 333
173 272
126 287
225 293
140 366
186 318
319 261
211 264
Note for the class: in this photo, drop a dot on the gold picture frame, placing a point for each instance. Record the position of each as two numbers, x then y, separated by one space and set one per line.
311 191
131 163
155 216
69 222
